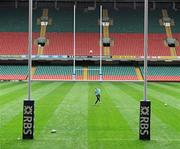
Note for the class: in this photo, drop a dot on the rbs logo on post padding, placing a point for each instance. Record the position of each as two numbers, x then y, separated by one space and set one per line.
145 111
28 119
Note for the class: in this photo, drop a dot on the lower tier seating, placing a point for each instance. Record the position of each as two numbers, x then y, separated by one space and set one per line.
13 72
66 72
155 73
112 73
163 73
56 73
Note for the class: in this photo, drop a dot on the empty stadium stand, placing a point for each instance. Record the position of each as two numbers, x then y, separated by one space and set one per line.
133 45
118 73
163 73
13 72
12 43
177 36
65 73
126 32
125 20
113 73
62 44
56 73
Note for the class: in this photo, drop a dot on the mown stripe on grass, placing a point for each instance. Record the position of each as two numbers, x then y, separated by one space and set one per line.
166 90
11 96
14 103
173 84
161 133
133 89
12 109
107 126
69 119
174 90
164 98
168 115
4 85
126 104
12 89
8 130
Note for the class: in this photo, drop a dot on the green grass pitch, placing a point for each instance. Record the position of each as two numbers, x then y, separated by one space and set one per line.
69 108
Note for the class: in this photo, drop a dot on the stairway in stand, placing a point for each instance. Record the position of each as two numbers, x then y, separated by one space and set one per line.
85 73
106 33
43 31
169 33
138 73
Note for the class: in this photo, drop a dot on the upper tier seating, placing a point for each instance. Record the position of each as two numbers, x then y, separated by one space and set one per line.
124 21
133 45
132 21
177 36
62 44
15 43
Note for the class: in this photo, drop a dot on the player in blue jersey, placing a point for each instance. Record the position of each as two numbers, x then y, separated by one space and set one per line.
98 94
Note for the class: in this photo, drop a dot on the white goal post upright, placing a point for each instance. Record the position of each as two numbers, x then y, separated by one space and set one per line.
145 104
100 46
28 104
145 47
74 45
30 50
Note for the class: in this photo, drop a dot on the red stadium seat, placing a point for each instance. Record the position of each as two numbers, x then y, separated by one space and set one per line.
13 77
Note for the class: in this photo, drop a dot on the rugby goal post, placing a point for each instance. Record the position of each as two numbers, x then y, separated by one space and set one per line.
74 75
